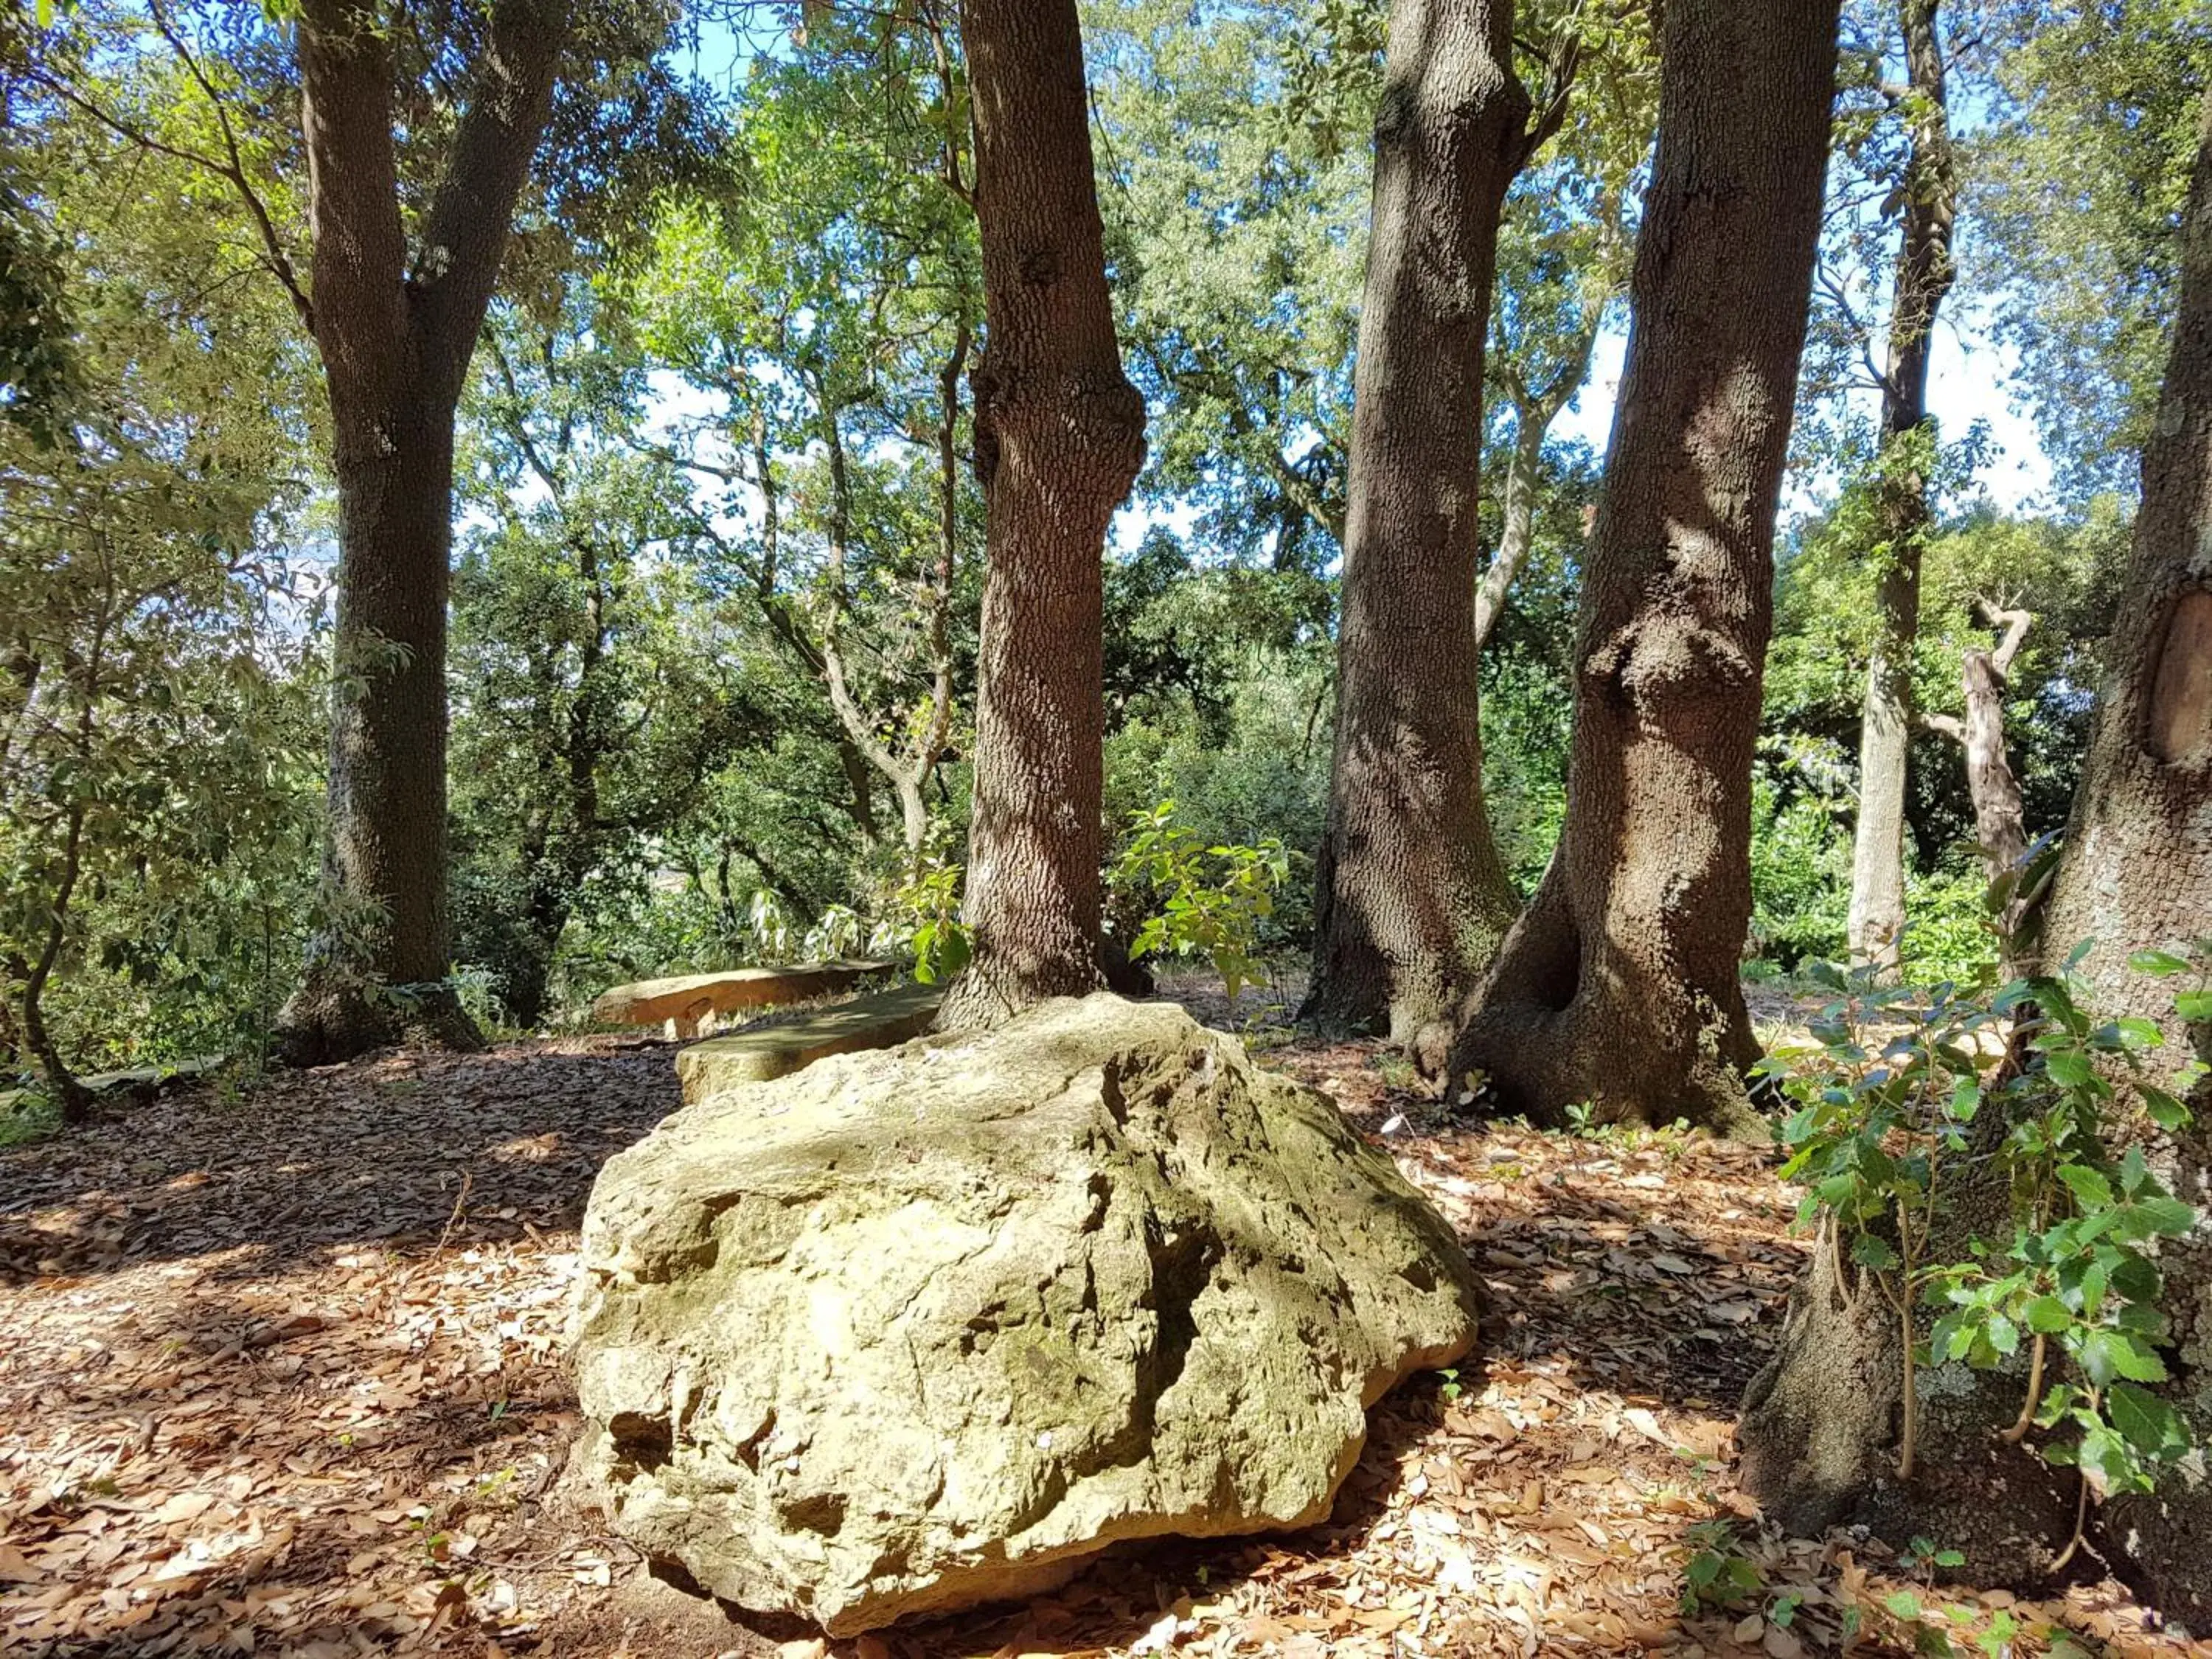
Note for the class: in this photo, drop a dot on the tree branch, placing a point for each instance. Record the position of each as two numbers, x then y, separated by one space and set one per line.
464 233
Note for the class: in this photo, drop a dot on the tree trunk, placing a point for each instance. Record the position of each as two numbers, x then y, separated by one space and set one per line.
395 345
1412 896
1060 436
1533 415
2137 873
2000 815
1875 925
1617 986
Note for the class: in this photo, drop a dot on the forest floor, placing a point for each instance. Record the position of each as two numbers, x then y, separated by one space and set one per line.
281 1375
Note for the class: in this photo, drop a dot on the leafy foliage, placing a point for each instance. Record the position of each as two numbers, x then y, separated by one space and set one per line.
1900 1094
1199 901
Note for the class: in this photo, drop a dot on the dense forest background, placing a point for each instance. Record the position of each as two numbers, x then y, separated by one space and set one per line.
717 557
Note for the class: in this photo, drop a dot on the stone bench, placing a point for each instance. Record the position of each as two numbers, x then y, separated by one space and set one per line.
687 1003
881 1021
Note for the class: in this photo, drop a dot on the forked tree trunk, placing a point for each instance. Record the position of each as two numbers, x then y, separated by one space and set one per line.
1820 1422
1619 987
1060 436
395 344
1875 927
1999 814
1411 897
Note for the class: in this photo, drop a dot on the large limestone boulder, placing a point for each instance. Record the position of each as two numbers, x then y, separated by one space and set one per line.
919 1328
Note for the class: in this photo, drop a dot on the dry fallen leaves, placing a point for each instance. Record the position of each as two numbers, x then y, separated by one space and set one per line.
283 1378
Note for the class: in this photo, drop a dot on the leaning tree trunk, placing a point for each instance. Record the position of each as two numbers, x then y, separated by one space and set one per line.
1875 925
1060 436
1412 898
395 344
1619 987
2138 873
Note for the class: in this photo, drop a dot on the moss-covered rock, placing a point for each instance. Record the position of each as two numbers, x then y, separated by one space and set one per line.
913 1330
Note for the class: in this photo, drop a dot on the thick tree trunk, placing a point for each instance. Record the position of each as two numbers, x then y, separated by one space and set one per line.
387 972
1619 986
1412 896
2137 873
1060 436
395 344
1875 925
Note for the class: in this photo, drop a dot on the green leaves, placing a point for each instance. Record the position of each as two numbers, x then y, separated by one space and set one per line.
1874 1127
2150 1426
1207 904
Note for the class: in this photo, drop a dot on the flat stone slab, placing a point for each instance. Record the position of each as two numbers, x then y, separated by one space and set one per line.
685 1002
153 1079
881 1021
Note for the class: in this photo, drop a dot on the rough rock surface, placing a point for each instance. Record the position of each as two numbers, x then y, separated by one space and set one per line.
917 1329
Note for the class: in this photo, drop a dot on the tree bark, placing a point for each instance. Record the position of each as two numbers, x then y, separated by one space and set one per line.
2000 815
1411 897
395 344
1618 985
2137 873
1060 437
1875 927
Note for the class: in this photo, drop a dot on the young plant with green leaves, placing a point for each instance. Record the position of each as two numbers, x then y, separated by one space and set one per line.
1903 1098
1199 901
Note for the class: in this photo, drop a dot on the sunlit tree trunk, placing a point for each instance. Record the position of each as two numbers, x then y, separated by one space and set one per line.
1820 1422
1411 897
395 343
1999 814
2137 873
1617 986
1875 924
1060 436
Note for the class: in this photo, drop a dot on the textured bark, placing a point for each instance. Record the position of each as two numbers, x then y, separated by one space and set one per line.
1875 925
1060 436
2138 873
1411 897
2137 870
2000 815
395 344
1618 985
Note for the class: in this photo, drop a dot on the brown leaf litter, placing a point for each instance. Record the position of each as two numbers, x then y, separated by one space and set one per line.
283 1377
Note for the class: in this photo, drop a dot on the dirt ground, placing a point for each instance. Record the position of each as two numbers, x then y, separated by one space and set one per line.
281 1375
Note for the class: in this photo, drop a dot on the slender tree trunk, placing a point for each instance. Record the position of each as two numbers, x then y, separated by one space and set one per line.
2000 815
1060 437
2137 873
1412 896
1875 925
1533 415
70 1094
395 344
1619 986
